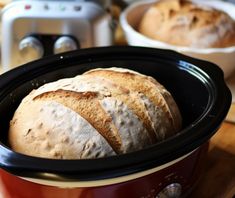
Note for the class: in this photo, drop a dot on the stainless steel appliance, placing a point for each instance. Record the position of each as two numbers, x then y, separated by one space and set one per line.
32 29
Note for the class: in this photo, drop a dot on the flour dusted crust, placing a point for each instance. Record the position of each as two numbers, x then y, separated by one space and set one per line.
184 23
101 113
52 132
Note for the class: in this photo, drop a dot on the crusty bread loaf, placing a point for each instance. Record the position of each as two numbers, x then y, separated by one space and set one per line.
184 23
4 3
101 113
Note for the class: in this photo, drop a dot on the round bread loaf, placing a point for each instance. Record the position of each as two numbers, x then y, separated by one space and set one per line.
101 113
184 23
4 3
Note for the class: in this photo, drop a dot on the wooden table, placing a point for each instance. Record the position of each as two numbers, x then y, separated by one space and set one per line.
218 174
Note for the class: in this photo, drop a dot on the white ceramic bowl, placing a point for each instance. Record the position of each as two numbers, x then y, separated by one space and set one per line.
223 57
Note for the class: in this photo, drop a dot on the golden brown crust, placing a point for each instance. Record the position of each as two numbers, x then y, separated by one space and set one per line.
148 88
183 23
133 101
84 104
100 113
4 3
171 105
47 129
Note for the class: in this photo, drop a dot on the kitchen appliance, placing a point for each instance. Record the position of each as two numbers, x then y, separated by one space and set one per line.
38 28
168 169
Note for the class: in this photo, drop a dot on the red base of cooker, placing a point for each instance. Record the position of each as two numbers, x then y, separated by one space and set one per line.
185 172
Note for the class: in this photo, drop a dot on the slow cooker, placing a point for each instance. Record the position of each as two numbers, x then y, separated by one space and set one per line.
167 169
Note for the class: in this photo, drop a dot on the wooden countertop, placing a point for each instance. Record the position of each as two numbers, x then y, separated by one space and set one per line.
218 174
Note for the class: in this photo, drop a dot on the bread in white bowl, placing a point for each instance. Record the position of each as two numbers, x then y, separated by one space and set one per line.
100 113
187 23
221 50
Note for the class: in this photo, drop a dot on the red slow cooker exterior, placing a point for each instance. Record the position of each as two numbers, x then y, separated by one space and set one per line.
183 173
167 169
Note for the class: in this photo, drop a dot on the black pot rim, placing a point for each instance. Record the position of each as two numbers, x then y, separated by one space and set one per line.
116 166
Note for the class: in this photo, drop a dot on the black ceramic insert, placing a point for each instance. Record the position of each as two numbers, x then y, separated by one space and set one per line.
197 86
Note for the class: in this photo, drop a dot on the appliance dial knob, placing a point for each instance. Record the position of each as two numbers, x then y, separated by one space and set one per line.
171 191
64 44
30 48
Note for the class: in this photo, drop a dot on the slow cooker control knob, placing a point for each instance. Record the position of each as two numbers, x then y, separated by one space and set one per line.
30 48
171 191
64 44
